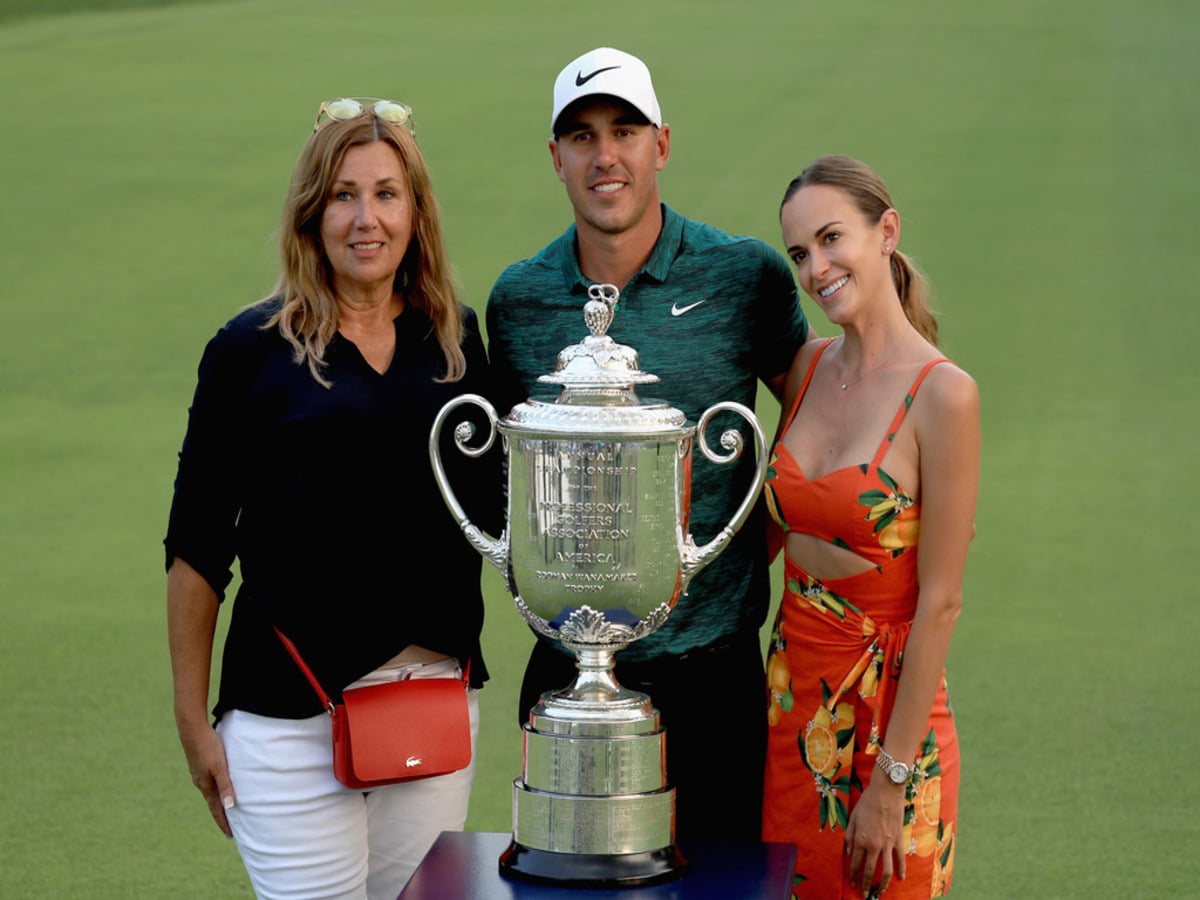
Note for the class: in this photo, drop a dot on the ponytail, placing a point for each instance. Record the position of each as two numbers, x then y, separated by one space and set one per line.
913 289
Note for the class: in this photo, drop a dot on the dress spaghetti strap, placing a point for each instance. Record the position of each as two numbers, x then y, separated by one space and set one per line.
812 367
903 410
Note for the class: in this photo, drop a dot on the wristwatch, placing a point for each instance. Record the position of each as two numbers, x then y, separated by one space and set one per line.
896 771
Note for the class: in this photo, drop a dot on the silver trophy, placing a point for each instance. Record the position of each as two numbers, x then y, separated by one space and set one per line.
596 553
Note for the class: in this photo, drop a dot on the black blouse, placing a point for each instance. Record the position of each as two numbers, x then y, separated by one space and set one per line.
327 500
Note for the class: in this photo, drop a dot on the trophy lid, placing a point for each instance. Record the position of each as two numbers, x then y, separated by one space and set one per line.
598 362
598 378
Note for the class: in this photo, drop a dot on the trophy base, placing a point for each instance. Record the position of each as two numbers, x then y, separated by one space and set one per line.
593 807
595 870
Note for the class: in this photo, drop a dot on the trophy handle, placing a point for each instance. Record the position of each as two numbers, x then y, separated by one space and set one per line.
696 558
495 552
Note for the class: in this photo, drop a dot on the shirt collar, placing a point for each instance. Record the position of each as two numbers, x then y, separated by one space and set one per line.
657 267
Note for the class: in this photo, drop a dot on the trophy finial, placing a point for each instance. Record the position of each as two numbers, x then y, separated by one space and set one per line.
598 311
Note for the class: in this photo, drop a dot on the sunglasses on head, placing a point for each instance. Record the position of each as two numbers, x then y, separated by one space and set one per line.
389 111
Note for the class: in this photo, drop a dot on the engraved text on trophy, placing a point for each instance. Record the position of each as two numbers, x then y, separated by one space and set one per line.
600 525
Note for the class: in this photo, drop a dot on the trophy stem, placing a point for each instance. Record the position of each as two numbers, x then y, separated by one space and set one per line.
595 680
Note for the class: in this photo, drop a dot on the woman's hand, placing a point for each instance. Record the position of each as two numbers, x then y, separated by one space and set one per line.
191 621
210 772
875 833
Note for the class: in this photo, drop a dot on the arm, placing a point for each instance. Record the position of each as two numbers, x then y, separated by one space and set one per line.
191 622
199 554
950 449
948 439
776 385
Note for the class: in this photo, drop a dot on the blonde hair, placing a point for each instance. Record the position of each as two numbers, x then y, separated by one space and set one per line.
870 195
308 317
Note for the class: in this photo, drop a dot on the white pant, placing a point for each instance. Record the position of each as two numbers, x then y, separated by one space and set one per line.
302 834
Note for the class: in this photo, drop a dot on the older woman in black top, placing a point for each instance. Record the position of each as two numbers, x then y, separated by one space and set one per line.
305 458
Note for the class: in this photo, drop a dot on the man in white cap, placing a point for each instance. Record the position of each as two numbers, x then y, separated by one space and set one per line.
710 314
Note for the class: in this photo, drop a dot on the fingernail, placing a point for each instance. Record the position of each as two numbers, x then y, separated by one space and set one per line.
227 802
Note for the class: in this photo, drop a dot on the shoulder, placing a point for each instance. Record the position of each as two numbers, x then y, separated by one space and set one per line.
250 324
951 384
759 271
744 249
527 288
805 355
746 267
546 263
515 273
950 398
243 339
798 370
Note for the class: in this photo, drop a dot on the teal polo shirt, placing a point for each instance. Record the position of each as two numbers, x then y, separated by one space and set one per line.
710 314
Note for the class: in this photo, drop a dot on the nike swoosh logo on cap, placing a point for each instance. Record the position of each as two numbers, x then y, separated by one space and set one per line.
677 310
581 79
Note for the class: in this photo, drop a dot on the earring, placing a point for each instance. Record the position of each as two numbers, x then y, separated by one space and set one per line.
887 248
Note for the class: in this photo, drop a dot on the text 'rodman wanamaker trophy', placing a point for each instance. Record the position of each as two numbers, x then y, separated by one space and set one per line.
595 553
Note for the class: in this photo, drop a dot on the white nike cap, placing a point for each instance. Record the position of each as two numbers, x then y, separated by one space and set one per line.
606 71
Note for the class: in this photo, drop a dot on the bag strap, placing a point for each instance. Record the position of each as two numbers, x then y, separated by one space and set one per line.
325 699
308 673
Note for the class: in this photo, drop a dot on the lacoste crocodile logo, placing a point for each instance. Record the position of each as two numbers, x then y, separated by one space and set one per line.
677 310
581 79
413 761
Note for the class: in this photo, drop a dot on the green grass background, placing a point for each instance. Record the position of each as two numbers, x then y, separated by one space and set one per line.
1042 155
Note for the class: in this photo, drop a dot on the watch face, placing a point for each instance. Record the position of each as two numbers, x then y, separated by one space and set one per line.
898 772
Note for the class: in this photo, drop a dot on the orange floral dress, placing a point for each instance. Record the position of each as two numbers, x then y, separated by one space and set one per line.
833 663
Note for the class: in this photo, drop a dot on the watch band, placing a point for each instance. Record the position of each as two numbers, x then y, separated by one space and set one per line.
887 762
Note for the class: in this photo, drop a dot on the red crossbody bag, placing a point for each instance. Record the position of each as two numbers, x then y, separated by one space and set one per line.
398 731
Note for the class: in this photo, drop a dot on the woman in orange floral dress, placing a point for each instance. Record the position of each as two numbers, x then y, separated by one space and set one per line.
879 444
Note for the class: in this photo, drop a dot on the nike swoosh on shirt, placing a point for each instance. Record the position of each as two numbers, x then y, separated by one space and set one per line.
677 310
581 79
